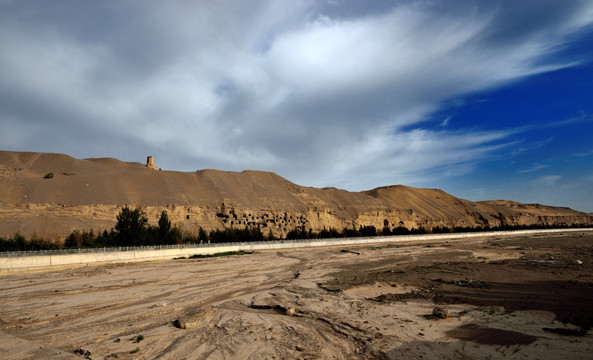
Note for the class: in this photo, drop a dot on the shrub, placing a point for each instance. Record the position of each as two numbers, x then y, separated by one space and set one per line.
49 175
226 253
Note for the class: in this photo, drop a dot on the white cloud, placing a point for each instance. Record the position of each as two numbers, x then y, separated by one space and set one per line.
445 122
282 86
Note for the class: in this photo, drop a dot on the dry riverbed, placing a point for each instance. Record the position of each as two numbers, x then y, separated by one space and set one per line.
511 298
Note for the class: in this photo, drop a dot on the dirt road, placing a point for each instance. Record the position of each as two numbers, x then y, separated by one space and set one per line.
505 298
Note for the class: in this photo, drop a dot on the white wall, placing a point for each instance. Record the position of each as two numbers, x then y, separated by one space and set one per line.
41 262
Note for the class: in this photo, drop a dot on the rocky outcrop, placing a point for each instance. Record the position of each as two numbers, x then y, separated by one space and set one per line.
185 323
440 312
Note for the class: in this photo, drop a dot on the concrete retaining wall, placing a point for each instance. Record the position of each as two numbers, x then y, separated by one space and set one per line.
42 262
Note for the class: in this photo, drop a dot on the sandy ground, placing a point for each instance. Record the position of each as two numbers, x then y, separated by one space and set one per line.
510 298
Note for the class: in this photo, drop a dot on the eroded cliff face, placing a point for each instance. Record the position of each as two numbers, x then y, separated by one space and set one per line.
57 221
88 194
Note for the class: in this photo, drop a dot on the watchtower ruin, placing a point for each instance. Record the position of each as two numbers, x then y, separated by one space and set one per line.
150 163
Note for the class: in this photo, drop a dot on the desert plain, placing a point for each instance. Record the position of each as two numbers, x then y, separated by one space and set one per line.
508 297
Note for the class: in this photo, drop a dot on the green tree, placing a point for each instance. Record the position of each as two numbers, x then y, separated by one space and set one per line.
255 234
18 242
74 240
350 233
202 235
131 227
328 234
174 236
400 230
271 236
164 227
367 230
216 236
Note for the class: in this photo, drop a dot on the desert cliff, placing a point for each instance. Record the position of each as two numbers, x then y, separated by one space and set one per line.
88 194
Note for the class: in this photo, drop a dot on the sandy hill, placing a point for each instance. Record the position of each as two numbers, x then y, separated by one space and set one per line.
88 193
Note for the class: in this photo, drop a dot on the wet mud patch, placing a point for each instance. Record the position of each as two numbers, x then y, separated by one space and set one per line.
546 277
490 336
387 271
570 302
413 295
566 332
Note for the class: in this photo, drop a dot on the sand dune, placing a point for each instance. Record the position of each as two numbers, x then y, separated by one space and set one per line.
88 193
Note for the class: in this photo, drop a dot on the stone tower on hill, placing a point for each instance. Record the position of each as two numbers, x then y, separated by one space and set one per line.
150 163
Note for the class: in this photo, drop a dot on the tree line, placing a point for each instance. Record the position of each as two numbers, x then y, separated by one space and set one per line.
132 229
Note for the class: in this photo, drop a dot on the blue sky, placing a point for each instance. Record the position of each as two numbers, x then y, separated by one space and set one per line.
483 99
549 157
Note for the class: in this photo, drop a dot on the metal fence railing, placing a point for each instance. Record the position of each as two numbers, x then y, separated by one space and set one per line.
158 247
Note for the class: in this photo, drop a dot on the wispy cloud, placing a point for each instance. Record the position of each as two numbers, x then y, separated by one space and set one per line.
531 146
583 118
534 168
588 153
